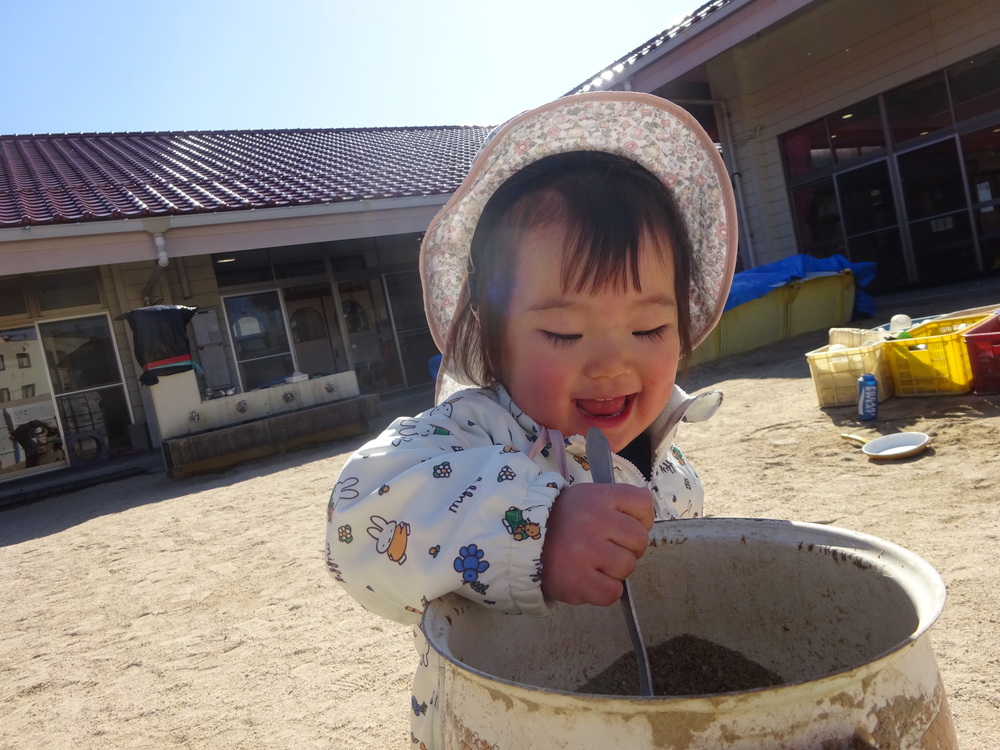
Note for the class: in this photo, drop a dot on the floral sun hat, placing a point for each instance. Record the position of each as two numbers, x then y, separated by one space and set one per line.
659 135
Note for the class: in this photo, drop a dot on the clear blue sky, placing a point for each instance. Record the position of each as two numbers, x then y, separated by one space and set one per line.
129 65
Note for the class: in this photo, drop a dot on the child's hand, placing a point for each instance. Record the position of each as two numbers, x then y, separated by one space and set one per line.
594 536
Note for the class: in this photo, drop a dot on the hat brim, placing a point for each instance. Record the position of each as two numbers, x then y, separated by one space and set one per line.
654 132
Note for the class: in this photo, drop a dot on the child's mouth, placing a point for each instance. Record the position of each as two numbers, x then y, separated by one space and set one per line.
603 408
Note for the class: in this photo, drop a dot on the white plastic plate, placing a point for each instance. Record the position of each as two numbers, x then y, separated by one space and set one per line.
897 445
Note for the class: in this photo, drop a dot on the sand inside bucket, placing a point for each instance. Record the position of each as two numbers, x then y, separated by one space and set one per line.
684 665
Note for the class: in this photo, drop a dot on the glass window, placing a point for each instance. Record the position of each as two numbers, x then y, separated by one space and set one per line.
353 255
817 219
398 249
370 336
856 131
981 152
932 180
885 250
975 85
314 322
298 261
247 267
807 149
21 363
942 247
101 412
80 353
308 325
866 198
417 347
64 289
407 299
988 227
918 108
12 300
260 341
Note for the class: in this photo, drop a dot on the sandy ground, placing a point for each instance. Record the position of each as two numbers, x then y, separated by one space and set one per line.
151 613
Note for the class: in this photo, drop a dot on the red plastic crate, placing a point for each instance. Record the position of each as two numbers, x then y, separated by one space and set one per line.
983 344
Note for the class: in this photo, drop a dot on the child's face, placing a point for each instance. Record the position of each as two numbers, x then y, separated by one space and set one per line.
579 360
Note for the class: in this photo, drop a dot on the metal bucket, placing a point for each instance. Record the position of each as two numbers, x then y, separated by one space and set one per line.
842 617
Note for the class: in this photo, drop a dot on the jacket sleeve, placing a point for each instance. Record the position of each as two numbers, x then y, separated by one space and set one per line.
433 506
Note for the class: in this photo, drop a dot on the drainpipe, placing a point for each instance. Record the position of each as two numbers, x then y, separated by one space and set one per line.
162 261
729 156
185 279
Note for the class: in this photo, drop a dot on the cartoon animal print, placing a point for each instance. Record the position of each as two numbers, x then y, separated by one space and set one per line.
345 489
411 428
390 538
519 527
582 460
677 454
445 409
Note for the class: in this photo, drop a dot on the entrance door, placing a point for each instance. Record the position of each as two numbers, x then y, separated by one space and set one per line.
87 381
319 348
260 340
937 210
871 224
369 335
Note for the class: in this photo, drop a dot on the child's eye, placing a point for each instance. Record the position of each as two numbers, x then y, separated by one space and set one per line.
562 338
653 333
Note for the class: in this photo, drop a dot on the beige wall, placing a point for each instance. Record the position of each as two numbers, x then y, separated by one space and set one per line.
830 56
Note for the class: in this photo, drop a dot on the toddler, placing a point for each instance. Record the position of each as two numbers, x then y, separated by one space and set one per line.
590 247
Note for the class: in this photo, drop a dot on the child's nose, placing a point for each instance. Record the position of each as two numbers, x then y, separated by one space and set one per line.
608 359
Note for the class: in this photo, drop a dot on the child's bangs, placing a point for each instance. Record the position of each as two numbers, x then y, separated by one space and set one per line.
607 224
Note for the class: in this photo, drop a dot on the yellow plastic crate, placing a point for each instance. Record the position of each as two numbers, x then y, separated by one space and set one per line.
934 360
835 374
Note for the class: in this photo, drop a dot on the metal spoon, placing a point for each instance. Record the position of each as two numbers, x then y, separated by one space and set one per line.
601 469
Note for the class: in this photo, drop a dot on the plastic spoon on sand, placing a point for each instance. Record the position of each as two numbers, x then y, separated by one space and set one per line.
601 469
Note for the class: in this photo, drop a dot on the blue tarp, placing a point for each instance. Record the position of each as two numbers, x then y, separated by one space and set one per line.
757 282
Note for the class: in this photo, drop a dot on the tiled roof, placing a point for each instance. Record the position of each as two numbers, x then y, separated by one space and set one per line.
619 68
49 179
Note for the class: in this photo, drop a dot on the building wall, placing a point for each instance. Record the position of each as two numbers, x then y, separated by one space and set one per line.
832 55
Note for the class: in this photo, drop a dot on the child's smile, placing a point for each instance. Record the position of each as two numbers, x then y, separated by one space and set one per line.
580 360
603 408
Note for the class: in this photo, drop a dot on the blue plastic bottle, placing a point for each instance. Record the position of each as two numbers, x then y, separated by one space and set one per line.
867 397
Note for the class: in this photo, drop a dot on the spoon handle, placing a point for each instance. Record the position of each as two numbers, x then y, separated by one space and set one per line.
602 471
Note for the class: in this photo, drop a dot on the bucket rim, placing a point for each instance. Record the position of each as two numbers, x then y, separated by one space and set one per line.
865 550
